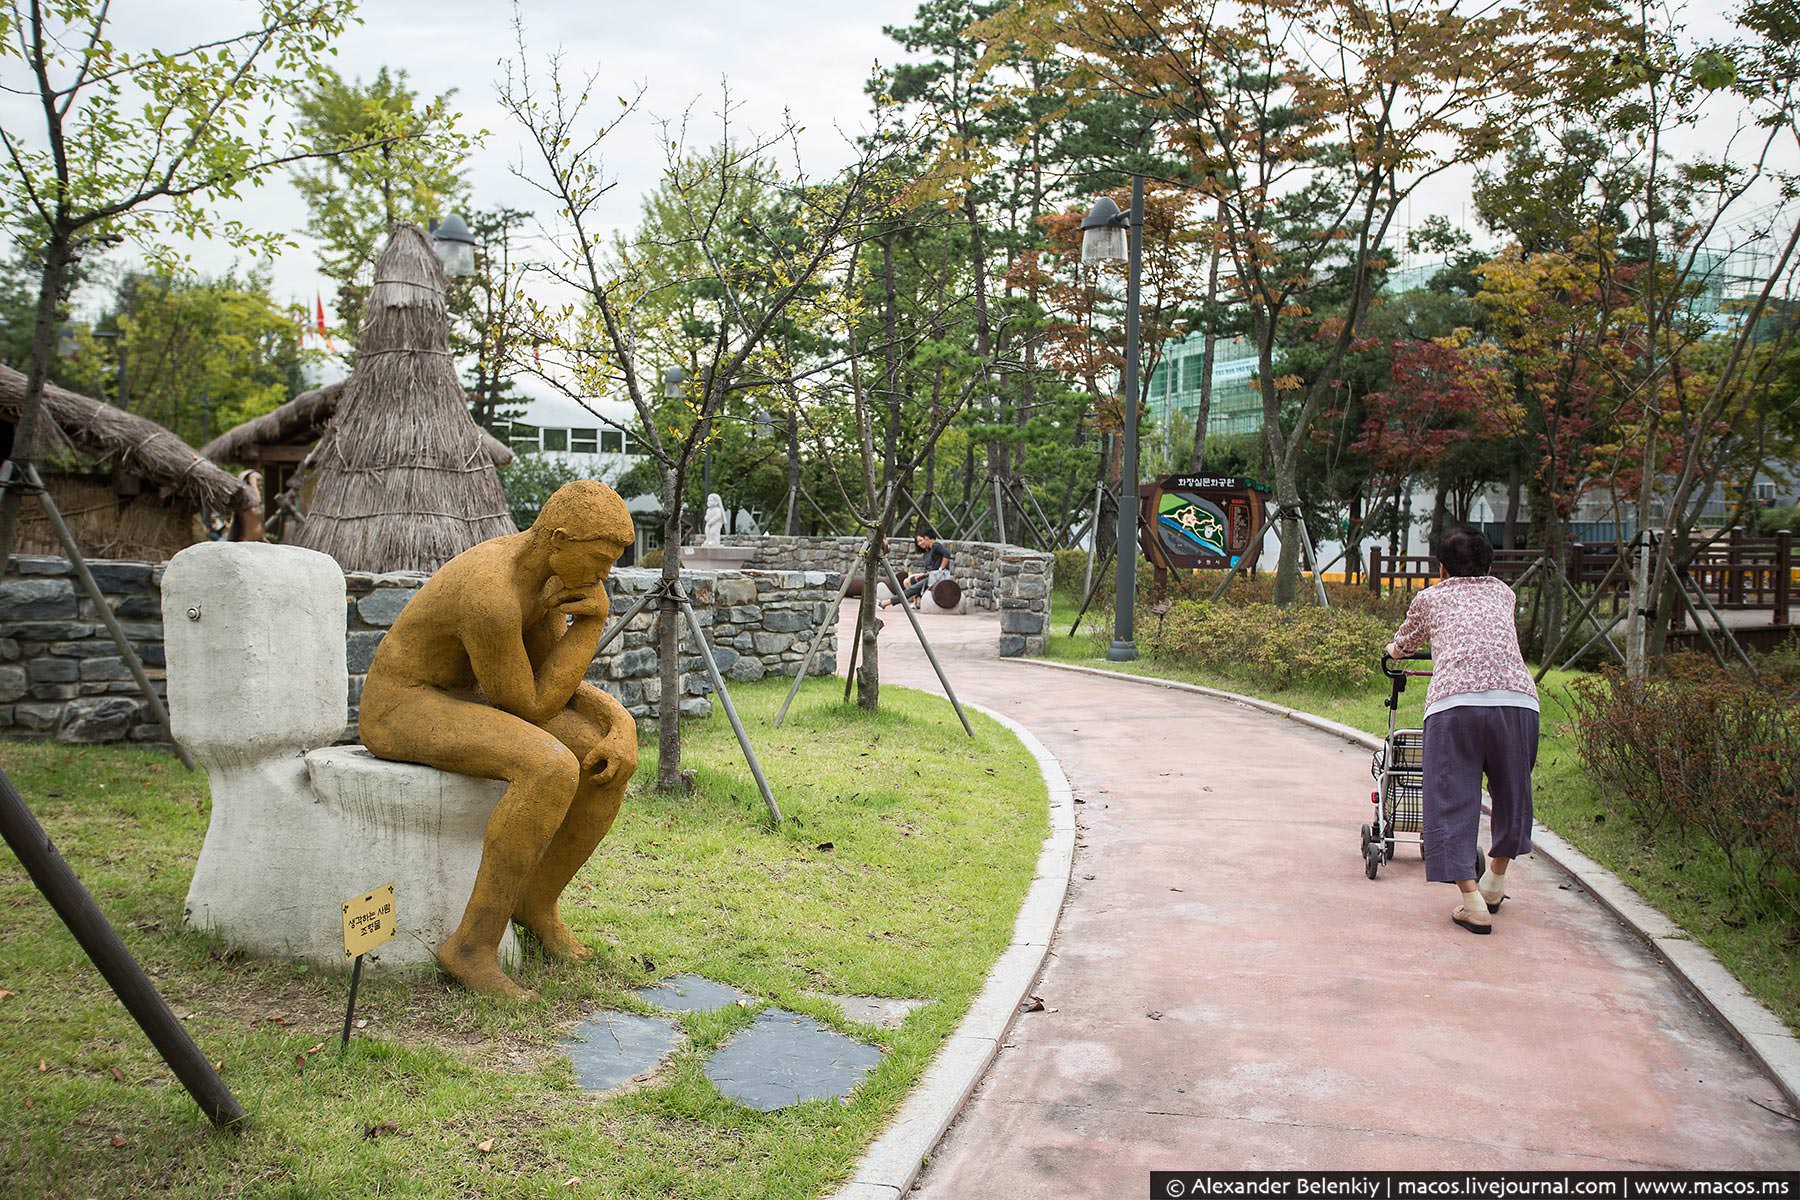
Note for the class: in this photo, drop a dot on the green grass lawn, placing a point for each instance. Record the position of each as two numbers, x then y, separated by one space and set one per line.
898 873
1688 881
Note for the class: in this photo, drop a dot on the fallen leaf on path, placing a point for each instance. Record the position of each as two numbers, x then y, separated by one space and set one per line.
486 1147
1032 1004
118 1139
314 1049
371 1132
300 1061
1174 889
7 994
1154 1014
118 1074
825 846
42 1066
571 1181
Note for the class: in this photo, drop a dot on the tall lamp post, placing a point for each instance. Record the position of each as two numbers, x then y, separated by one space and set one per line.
1108 235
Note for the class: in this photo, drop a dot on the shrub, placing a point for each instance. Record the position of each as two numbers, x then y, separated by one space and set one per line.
1246 589
1277 648
651 560
1770 521
1697 750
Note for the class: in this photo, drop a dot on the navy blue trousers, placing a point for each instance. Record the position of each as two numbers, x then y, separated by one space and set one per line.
1462 745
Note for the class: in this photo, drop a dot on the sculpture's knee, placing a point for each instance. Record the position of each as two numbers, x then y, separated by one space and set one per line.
550 770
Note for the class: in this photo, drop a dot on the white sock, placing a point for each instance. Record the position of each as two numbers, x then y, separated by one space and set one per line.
1473 906
1492 886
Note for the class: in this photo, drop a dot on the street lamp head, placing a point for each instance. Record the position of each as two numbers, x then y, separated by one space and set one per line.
673 380
1103 233
454 246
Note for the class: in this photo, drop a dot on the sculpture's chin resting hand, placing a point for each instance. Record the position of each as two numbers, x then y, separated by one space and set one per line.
583 606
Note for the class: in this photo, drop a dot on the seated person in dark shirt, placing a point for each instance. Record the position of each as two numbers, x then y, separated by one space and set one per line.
937 566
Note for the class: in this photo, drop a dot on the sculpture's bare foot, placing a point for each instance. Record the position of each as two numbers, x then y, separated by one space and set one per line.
478 969
558 940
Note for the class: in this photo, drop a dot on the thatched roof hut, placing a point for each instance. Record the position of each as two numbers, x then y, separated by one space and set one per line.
403 479
143 500
296 425
279 442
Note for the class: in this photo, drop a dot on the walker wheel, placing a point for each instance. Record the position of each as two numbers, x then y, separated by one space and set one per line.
1372 861
1389 850
1368 835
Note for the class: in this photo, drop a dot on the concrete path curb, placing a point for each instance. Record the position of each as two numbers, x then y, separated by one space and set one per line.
889 1166
1751 1024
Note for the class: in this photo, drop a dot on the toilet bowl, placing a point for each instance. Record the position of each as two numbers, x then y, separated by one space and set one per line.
258 693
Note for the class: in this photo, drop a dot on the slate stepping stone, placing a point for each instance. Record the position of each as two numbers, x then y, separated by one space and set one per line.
609 1048
881 1011
784 1058
691 993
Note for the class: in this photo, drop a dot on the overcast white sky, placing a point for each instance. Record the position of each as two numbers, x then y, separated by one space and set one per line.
810 57
807 56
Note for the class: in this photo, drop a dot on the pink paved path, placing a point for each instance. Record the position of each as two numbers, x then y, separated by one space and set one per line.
1309 1018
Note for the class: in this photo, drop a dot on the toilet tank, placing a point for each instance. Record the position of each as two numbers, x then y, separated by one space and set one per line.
254 637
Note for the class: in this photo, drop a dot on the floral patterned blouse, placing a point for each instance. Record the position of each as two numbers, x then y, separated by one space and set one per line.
1474 646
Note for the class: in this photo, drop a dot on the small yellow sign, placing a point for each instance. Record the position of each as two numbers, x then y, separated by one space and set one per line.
368 921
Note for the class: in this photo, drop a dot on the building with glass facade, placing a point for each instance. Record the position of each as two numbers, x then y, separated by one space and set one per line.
1175 386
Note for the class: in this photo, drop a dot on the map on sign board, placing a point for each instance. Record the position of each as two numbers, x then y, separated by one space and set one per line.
1201 522
368 921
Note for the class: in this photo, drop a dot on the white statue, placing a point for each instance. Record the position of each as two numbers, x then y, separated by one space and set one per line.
715 519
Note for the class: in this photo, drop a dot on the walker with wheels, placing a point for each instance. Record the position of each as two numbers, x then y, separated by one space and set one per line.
1399 771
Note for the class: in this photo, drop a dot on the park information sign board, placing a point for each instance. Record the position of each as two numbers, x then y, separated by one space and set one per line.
1201 522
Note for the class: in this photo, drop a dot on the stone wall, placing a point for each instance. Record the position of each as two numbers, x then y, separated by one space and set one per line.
1012 579
61 675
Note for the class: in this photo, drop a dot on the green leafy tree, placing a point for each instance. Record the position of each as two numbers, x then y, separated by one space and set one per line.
120 142
1309 125
380 156
203 355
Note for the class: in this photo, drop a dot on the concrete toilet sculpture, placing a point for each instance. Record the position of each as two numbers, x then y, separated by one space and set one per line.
258 684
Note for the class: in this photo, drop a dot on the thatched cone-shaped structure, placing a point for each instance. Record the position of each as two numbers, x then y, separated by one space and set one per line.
403 479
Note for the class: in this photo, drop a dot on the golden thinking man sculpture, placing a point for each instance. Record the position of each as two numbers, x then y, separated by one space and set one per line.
482 675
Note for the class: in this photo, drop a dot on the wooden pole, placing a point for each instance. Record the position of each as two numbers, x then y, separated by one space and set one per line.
1784 562
731 713
104 610
818 639
894 582
72 902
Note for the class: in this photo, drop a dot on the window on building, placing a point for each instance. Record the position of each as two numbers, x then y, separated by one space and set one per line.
612 441
1765 491
1190 372
522 438
556 439
1159 380
584 441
